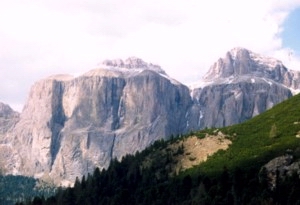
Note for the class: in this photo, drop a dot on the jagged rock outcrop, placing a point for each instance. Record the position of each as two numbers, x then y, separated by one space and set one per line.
8 118
131 63
280 167
69 125
240 62
242 85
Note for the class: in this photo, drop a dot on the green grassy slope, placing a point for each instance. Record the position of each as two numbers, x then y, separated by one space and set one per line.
260 139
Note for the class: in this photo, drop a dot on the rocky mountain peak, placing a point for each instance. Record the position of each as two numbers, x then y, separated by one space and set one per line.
241 85
238 52
132 63
241 63
6 111
8 117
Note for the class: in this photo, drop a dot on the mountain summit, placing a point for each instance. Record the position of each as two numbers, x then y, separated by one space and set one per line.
245 65
241 85
132 63
70 125
240 61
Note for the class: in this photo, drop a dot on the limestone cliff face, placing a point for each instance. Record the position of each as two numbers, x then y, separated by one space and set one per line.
240 86
69 125
228 104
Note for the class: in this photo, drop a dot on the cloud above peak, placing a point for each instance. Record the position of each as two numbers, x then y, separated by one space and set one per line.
40 38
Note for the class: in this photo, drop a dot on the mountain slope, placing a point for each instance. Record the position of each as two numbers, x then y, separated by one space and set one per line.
252 143
260 139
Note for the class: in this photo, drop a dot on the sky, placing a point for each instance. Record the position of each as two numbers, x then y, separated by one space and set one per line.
39 38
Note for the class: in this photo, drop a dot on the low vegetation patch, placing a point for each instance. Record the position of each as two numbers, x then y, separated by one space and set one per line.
190 151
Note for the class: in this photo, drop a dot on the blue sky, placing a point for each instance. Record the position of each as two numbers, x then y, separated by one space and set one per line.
185 37
291 31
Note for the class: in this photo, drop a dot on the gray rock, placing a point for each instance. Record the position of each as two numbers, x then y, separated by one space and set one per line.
242 85
71 125
228 104
8 118
281 167
241 62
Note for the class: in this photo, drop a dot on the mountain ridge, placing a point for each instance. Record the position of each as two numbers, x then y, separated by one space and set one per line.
70 125
241 85
242 62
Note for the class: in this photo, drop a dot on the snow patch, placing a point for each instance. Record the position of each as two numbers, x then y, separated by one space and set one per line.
269 82
200 117
255 111
265 60
173 81
112 71
270 104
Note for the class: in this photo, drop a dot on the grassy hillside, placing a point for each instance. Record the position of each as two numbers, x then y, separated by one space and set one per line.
260 139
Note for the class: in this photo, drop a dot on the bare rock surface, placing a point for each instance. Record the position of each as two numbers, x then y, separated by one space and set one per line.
280 167
70 125
8 118
240 86
197 150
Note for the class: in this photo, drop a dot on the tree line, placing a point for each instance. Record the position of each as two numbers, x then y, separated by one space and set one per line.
127 182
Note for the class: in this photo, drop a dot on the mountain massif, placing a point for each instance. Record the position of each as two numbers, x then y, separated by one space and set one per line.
257 163
241 86
70 125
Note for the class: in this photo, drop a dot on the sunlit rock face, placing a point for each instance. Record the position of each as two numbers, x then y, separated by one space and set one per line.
240 86
242 63
70 125
228 104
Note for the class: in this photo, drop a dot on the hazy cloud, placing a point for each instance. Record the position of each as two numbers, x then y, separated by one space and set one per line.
40 38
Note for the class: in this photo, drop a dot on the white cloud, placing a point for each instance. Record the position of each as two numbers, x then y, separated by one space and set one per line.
39 38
